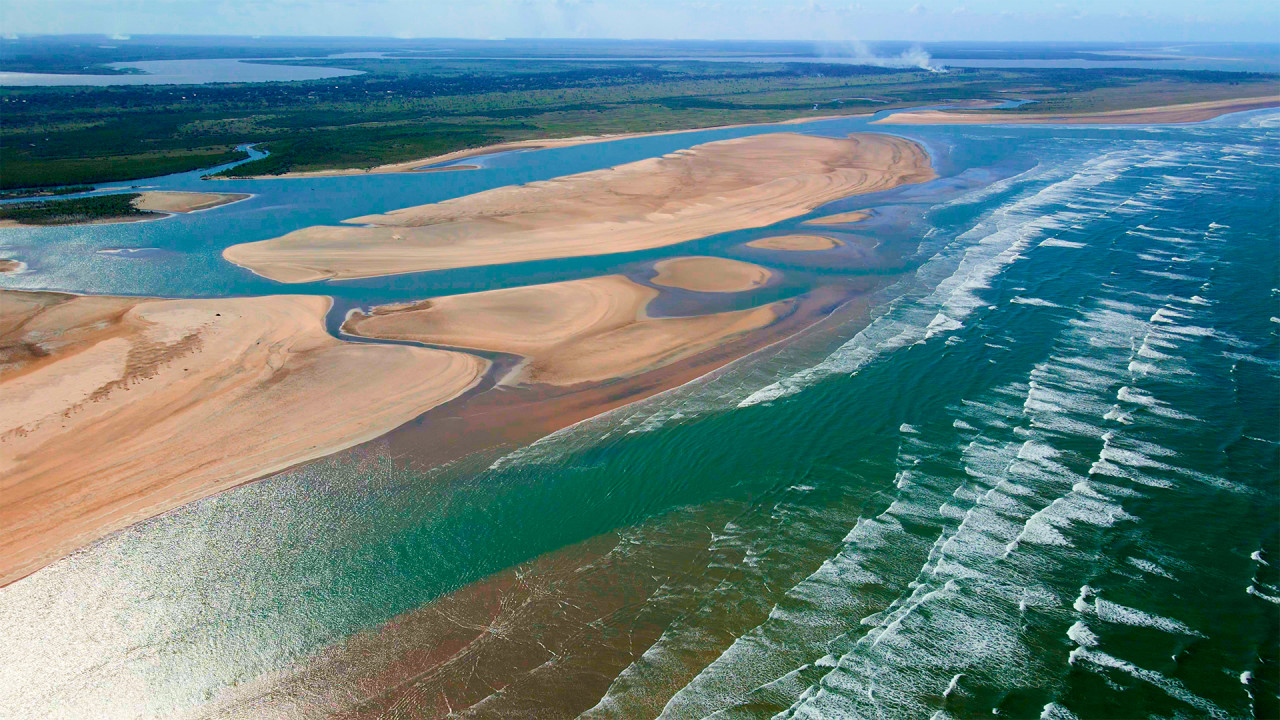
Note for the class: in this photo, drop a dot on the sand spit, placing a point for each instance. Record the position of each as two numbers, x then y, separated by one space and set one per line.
710 274
157 204
424 164
708 189
183 202
1191 112
800 243
569 332
840 218
118 409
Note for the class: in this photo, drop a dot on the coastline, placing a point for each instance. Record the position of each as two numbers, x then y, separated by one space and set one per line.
383 657
153 204
420 164
1162 114
119 409
260 367
708 189
572 332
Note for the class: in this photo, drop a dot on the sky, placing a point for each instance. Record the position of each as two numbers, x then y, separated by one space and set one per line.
832 21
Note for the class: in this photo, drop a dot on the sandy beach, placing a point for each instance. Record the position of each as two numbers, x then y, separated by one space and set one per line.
708 189
156 204
569 332
117 409
1191 112
840 218
183 202
710 274
423 164
799 243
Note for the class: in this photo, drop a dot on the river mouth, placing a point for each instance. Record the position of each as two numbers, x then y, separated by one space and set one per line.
1064 362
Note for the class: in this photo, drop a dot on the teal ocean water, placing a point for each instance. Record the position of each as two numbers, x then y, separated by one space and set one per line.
1038 478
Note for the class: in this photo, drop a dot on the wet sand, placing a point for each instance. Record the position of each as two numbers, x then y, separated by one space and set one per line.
710 274
118 409
1190 112
423 663
183 202
572 332
840 218
156 204
798 243
708 189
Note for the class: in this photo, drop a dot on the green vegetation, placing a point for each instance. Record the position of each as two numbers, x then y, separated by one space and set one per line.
69 190
74 210
411 107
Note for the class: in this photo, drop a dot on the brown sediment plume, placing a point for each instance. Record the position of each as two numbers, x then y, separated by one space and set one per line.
1186 113
708 189
553 633
183 202
118 409
710 274
570 332
840 218
799 243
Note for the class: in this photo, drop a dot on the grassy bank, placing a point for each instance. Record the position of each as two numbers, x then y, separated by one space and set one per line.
406 108
74 210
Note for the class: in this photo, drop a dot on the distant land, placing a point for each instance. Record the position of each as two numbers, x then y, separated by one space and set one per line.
412 99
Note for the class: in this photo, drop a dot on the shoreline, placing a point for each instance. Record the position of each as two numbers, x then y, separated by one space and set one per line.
710 188
154 204
571 332
509 420
420 164
917 117
1157 115
119 409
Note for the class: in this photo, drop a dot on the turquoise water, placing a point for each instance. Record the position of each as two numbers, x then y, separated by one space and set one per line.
1040 480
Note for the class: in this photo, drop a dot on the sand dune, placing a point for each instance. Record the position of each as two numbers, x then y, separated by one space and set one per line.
117 409
796 242
1190 112
840 218
570 332
710 274
708 189
183 202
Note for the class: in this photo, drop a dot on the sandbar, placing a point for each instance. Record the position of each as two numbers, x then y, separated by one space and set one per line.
708 189
710 274
425 164
799 243
1185 113
845 218
570 332
118 409
183 202
7 266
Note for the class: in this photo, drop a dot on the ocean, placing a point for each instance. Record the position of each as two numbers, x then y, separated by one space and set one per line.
1037 476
